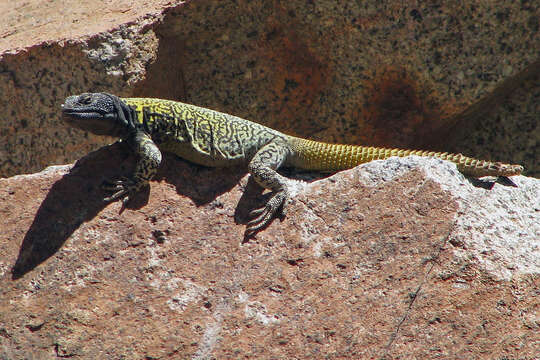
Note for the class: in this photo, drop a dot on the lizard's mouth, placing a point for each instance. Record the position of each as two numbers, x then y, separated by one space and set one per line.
73 113
70 114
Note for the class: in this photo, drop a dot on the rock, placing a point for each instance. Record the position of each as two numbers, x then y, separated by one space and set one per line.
403 258
387 74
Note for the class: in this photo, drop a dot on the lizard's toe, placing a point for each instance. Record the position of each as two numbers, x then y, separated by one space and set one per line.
115 185
117 195
264 215
256 213
120 188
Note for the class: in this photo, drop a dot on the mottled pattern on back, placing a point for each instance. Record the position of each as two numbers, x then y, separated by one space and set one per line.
201 135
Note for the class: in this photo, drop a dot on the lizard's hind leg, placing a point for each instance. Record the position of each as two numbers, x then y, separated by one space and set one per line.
263 169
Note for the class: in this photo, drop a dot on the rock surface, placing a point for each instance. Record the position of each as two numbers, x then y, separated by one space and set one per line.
402 258
377 73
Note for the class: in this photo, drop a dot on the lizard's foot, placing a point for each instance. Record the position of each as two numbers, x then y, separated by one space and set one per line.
264 215
121 188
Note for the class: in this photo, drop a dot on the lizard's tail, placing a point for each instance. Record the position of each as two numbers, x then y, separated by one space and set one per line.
314 155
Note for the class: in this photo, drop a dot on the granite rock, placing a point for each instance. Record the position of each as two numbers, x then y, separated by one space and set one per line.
403 258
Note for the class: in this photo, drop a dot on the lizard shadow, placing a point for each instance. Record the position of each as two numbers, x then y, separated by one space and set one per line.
204 184
489 183
199 183
72 200
77 197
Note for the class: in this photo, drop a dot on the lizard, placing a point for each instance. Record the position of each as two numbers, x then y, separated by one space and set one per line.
211 138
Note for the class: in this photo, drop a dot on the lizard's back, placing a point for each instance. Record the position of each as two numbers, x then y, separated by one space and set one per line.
201 135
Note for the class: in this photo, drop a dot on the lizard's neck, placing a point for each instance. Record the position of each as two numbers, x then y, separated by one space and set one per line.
147 115
159 119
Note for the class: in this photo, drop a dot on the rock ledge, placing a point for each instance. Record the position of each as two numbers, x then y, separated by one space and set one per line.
396 258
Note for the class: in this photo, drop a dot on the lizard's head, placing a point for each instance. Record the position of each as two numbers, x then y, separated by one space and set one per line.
98 113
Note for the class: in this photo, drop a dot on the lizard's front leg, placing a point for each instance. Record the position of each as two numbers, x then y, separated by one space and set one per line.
149 159
263 169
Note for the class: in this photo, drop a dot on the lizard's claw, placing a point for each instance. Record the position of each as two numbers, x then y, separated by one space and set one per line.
264 215
121 188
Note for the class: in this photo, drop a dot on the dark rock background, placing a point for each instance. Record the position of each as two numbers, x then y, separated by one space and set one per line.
373 73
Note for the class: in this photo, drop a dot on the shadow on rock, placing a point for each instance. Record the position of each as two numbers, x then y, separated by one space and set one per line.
77 197
201 184
489 183
71 201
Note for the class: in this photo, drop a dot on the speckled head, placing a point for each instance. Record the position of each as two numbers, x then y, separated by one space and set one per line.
98 113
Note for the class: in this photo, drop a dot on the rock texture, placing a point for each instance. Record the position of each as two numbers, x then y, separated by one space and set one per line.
378 73
402 258
396 259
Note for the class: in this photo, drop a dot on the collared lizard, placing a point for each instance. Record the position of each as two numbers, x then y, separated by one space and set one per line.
212 138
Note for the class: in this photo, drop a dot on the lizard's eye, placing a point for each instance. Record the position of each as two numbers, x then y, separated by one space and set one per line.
85 99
